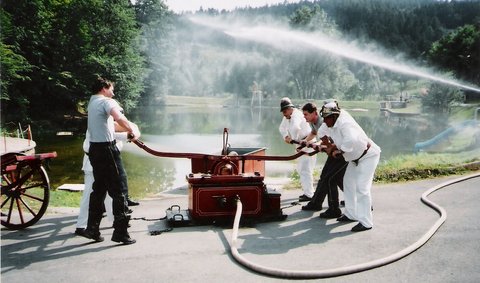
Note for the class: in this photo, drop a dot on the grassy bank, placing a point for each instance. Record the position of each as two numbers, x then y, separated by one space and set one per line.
427 165
416 167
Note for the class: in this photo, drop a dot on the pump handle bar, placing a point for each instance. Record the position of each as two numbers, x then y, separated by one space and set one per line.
143 146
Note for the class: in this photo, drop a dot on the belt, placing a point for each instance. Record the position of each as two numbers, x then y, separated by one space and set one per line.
104 143
363 154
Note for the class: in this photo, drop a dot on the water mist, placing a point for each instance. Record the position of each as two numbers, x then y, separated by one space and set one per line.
289 40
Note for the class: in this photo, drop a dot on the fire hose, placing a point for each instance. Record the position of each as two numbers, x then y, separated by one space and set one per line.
311 274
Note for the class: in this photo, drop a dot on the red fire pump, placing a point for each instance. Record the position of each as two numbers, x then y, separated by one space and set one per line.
218 181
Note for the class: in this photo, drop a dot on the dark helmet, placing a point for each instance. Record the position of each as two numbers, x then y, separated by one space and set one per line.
285 103
330 109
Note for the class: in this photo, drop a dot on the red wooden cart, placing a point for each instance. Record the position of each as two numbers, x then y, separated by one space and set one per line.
25 189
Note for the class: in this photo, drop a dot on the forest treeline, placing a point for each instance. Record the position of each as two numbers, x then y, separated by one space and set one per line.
51 50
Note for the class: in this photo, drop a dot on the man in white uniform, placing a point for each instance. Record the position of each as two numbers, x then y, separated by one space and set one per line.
362 155
333 170
294 128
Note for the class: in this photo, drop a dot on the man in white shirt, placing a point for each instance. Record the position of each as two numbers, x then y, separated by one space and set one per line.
106 162
362 155
294 128
333 170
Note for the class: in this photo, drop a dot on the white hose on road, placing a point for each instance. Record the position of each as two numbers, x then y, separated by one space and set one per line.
297 274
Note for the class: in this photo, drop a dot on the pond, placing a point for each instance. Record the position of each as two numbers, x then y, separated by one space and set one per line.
200 130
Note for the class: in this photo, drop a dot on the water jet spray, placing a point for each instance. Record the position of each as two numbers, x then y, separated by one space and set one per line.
288 40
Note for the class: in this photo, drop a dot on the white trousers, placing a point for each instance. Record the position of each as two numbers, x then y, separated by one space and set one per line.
305 165
84 203
357 185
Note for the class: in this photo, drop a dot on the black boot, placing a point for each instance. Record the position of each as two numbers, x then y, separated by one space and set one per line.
120 234
90 234
131 202
312 206
93 229
331 212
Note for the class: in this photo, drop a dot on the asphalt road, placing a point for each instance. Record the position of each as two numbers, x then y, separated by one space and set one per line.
49 251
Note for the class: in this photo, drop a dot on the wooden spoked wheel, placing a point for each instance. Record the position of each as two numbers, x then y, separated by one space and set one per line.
25 192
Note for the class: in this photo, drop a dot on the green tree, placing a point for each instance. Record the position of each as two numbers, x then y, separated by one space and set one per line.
239 80
353 93
13 65
369 80
440 98
108 34
459 51
156 25
30 25
313 19
311 72
67 42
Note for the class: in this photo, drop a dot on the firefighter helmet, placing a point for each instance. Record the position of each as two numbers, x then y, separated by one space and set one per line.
330 109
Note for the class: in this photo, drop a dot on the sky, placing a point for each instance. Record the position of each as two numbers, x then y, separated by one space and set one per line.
179 6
